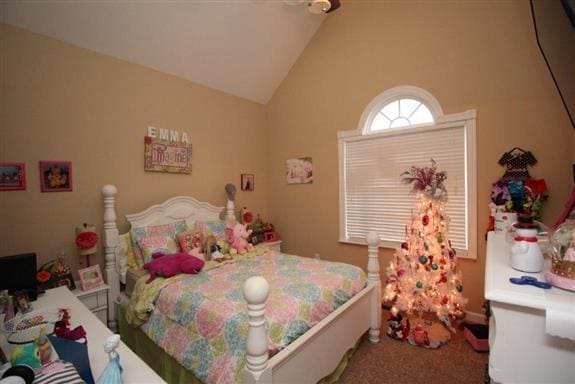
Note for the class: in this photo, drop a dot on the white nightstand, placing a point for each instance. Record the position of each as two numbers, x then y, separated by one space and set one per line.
95 299
274 245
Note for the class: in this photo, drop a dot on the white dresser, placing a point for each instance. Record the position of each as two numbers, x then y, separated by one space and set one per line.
135 370
521 351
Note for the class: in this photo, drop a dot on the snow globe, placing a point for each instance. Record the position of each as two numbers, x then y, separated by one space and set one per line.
562 244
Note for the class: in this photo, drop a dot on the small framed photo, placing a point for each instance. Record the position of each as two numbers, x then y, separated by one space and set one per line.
56 176
12 176
91 277
247 182
22 301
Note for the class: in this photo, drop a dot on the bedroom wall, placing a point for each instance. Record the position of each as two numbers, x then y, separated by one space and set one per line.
469 55
60 102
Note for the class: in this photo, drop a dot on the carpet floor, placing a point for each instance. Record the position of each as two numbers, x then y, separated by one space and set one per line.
393 361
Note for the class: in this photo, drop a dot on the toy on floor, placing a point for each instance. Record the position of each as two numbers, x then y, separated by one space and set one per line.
112 374
237 236
168 265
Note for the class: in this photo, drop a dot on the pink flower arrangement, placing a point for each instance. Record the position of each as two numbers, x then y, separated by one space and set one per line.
426 180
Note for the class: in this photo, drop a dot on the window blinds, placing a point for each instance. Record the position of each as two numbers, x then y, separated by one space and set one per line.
376 200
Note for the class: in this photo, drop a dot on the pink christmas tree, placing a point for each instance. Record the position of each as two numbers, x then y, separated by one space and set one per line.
422 276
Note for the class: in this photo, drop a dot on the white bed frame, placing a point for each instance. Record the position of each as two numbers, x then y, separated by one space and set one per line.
309 358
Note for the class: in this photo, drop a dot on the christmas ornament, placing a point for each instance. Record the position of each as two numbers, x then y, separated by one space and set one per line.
425 220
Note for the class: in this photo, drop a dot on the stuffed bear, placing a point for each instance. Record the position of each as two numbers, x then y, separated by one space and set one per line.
237 237
168 265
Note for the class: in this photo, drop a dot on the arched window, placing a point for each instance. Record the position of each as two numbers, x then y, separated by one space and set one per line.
402 127
401 113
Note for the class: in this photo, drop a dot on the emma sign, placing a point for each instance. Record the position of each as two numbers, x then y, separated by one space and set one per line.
167 134
173 155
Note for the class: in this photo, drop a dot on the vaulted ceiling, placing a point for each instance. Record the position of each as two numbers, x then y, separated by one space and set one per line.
244 47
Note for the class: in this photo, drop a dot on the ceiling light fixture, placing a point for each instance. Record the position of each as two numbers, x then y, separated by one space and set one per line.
317 6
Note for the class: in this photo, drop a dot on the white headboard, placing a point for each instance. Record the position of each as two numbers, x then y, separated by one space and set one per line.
115 247
175 209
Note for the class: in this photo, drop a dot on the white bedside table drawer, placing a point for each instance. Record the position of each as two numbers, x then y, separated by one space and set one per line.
275 246
102 314
95 300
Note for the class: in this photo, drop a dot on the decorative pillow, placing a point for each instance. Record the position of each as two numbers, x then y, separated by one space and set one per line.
154 244
131 256
191 239
216 228
171 230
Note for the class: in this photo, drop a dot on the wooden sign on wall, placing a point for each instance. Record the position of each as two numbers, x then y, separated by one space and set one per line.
167 156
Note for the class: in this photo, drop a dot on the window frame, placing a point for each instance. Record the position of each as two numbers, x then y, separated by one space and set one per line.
466 120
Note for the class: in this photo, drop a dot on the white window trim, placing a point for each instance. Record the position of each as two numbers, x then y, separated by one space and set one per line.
396 93
465 119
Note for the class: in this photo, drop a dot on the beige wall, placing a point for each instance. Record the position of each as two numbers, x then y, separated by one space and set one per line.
59 102
479 55
557 38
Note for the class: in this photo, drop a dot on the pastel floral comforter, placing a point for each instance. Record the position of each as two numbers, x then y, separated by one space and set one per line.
201 320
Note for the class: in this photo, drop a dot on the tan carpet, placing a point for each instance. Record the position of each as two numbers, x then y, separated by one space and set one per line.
396 362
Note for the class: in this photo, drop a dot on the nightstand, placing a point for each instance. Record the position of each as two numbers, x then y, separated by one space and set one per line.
96 300
274 245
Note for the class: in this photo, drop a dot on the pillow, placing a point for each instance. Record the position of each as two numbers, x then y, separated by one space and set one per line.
171 229
216 228
154 244
191 239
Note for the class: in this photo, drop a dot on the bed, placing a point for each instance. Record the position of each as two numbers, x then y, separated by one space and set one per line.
311 356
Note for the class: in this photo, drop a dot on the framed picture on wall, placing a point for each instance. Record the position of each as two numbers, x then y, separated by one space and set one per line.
247 182
12 176
55 176
299 170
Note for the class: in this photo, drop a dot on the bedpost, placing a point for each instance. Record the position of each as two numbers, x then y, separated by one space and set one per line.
374 278
256 290
110 243
230 214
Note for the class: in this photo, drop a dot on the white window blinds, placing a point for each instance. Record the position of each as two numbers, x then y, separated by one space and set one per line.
374 197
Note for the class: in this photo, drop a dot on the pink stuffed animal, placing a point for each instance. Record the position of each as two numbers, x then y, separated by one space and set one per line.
237 237
171 264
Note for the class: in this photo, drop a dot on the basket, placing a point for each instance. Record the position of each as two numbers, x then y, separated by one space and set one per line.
24 328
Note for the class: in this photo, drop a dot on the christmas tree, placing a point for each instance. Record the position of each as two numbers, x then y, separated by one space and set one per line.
422 277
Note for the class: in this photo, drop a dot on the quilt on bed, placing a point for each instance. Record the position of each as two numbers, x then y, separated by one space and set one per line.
201 320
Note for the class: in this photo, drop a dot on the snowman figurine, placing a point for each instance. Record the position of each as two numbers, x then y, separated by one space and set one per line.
526 255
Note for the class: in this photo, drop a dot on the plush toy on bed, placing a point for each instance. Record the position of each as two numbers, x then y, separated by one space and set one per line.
237 237
168 265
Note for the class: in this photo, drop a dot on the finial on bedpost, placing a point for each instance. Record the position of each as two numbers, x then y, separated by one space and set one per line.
374 278
256 290
110 243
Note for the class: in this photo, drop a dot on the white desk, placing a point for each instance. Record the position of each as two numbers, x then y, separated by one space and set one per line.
135 370
520 349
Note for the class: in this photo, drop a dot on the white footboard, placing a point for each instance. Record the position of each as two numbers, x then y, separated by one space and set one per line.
318 352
